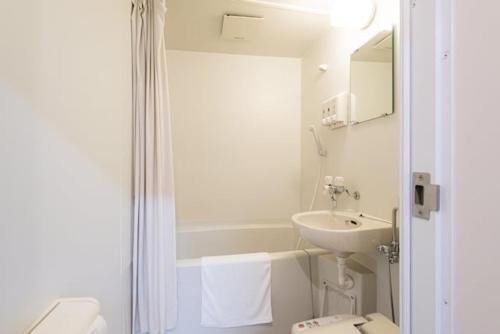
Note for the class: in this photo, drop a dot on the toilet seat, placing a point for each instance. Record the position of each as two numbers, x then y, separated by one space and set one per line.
375 323
378 324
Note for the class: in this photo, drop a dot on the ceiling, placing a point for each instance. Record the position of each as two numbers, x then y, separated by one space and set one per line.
196 25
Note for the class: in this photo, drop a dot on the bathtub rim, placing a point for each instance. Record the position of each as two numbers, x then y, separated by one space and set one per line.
188 226
196 261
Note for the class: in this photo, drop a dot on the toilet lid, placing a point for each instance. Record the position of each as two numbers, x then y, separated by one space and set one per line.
68 316
378 324
375 323
98 327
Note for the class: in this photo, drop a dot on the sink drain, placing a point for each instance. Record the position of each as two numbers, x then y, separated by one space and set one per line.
350 222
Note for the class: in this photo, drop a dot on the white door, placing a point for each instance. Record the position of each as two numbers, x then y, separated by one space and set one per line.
476 166
425 138
451 274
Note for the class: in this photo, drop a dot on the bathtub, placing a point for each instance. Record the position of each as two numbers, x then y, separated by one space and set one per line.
291 285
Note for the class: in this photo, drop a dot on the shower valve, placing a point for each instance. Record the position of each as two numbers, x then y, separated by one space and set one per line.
391 252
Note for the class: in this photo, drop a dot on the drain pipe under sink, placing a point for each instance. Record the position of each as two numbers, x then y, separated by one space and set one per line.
344 280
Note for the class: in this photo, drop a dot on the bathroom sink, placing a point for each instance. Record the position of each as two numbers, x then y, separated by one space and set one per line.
342 232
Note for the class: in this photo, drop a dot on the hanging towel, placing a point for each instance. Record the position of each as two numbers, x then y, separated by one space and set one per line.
236 290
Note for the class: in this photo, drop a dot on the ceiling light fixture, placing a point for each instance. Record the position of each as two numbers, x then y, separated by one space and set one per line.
352 14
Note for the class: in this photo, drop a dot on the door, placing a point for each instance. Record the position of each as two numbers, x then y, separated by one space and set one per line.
425 148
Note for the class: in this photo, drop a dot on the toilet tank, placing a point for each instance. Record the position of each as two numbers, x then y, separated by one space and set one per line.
70 316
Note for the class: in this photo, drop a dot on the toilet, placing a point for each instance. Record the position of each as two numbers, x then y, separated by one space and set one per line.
374 323
71 316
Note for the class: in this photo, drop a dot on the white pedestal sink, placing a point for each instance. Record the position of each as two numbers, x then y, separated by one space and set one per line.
342 232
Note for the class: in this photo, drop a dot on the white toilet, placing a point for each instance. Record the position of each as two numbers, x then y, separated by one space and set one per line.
71 316
374 323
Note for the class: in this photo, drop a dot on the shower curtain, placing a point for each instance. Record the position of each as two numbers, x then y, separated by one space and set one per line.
154 294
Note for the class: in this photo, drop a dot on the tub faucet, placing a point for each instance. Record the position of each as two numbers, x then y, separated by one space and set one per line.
336 187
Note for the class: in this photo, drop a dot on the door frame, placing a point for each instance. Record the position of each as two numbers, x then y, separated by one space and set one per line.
443 79
405 167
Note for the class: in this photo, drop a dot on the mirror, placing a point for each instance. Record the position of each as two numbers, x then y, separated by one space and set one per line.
372 79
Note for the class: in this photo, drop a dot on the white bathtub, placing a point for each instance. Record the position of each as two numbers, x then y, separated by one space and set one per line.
291 287
197 239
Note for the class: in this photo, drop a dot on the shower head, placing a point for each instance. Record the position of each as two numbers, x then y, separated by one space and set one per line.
317 140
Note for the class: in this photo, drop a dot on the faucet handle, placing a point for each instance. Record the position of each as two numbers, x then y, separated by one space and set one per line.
339 181
328 179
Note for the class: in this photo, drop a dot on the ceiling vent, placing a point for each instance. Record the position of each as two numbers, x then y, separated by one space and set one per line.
239 27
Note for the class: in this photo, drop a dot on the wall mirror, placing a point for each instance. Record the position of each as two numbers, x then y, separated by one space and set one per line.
372 78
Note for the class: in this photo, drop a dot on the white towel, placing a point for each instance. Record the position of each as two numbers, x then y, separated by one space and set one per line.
236 290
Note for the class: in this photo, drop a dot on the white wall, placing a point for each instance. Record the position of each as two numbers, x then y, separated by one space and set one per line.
64 147
476 162
367 154
236 134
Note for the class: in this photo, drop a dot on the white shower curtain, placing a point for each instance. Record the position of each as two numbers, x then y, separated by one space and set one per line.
154 294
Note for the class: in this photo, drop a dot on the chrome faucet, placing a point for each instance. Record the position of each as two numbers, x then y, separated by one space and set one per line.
336 187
